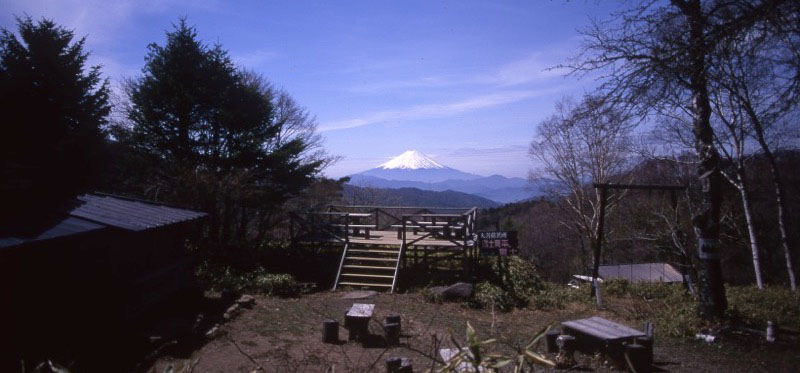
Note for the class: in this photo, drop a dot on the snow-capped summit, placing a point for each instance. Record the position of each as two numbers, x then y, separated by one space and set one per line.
413 169
416 166
411 160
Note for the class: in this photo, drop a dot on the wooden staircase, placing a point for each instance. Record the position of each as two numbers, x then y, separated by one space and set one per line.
369 265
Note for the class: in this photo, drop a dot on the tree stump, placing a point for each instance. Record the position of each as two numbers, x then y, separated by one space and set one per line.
330 331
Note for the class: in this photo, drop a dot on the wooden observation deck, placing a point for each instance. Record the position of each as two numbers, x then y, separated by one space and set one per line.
376 239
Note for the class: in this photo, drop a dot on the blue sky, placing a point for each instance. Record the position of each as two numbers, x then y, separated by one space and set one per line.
462 81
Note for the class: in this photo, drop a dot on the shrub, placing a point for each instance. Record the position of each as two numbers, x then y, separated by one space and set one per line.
616 286
675 314
431 296
279 284
508 284
655 290
521 277
669 306
558 295
258 280
756 307
488 295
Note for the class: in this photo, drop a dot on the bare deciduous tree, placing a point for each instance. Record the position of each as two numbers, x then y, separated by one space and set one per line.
657 52
731 135
757 73
579 145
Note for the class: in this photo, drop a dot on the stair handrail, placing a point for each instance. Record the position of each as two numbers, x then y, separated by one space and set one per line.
397 266
341 264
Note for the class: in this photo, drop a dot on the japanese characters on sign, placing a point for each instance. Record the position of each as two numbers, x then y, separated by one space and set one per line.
500 243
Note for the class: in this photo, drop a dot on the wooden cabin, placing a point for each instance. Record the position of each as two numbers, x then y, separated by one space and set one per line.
102 264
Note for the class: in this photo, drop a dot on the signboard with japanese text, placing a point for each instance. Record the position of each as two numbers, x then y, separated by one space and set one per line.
500 243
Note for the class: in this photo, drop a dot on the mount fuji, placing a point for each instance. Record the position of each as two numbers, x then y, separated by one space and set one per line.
414 169
415 166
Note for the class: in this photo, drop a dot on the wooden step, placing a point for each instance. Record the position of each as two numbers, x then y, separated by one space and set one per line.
366 267
372 259
363 284
373 251
366 275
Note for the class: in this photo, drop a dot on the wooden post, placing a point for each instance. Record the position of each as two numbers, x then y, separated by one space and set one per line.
346 229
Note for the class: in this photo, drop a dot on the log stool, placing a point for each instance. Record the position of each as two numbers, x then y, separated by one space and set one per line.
391 333
393 318
566 346
330 331
398 365
550 340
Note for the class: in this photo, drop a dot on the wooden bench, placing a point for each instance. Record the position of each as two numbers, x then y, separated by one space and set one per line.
598 334
356 320
414 228
356 228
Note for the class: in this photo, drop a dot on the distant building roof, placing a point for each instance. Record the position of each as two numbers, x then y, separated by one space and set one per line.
643 272
100 211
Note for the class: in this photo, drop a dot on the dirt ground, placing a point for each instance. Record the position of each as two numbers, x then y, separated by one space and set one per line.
284 335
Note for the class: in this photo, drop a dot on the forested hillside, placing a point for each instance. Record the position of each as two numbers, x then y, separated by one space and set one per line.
412 197
639 228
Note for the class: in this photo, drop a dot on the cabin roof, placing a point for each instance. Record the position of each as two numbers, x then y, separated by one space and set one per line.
641 272
130 214
92 212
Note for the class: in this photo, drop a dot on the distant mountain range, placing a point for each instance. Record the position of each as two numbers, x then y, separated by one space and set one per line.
413 169
413 197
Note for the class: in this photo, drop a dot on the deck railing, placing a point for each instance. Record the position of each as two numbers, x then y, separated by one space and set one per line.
339 222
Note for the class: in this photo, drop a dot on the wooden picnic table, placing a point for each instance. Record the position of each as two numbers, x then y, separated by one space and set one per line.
359 214
356 320
437 215
338 213
601 328
596 333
